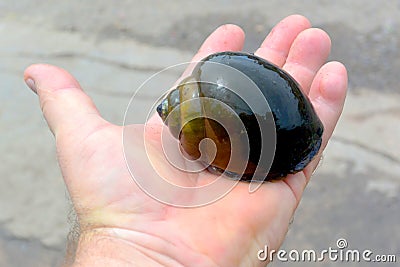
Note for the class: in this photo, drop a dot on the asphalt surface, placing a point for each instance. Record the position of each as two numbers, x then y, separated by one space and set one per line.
112 47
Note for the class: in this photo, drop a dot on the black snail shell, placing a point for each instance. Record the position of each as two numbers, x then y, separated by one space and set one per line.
297 128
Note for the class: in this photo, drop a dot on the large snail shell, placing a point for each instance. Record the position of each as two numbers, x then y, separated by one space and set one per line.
297 128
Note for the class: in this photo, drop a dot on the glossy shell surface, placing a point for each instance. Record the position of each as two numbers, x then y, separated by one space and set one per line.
297 128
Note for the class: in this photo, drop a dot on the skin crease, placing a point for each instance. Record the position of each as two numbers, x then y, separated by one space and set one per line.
122 226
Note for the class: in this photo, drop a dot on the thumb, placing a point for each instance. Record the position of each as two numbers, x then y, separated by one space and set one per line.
65 106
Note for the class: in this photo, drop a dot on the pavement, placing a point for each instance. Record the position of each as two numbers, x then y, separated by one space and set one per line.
112 47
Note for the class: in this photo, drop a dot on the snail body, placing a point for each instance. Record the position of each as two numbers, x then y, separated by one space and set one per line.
229 90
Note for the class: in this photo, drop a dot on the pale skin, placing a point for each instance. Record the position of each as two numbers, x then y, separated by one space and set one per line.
122 226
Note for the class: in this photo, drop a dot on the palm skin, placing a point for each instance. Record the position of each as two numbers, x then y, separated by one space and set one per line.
228 232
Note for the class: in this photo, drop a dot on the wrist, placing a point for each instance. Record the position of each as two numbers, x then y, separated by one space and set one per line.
100 248
119 247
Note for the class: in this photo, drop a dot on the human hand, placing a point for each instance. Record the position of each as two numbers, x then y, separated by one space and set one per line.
121 225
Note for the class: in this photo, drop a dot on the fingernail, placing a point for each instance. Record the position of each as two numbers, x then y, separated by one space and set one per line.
31 84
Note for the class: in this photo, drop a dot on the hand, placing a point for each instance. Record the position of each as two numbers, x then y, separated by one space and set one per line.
121 225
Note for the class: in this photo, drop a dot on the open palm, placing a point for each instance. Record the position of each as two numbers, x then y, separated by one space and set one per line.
134 227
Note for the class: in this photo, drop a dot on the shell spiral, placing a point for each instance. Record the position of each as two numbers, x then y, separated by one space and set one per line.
297 130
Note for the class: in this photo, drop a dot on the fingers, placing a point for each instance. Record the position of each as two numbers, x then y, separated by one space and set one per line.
327 94
296 47
227 37
64 105
308 53
276 45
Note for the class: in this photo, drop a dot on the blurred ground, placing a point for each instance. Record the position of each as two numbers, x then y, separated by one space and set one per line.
112 47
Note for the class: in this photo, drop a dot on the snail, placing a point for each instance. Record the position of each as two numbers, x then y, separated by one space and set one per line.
281 132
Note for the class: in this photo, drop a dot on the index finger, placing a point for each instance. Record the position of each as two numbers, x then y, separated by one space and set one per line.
228 37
